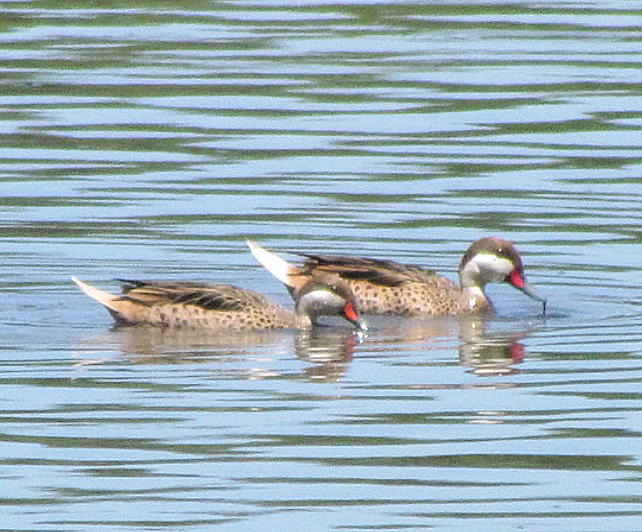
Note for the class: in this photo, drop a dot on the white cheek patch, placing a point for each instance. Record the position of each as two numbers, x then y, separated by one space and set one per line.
491 268
321 302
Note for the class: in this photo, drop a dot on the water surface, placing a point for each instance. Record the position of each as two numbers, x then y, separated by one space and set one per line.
149 141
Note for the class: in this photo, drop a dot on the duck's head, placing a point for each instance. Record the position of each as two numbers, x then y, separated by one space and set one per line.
328 295
495 260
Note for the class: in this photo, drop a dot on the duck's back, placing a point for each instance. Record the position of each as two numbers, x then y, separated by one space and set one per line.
223 307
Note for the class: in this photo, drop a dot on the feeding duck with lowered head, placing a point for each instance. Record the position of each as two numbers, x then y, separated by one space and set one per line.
388 287
225 307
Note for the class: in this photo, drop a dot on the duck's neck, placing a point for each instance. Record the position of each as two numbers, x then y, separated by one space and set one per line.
302 321
306 308
473 298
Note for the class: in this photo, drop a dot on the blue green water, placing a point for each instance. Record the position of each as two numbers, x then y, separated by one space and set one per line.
149 140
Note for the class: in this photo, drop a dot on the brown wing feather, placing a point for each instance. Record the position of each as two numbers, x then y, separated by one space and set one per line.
206 296
376 271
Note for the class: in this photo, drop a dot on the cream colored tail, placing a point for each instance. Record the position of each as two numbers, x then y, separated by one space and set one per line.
122 310
104 298
288 274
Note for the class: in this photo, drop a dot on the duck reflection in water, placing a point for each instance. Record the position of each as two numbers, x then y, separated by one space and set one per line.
326 350
484 353
490 354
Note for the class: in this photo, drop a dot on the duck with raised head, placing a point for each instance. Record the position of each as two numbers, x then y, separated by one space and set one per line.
225 307
387 287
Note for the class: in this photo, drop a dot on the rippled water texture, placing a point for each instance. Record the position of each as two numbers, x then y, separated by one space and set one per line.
149 140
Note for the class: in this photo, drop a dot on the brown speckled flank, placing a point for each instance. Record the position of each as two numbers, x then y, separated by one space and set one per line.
224 307
435 295
387 287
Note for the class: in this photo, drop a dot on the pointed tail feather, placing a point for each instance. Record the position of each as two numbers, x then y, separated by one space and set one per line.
122 310
104 298
288 274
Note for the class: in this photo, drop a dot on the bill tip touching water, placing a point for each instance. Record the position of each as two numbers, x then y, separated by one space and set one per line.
388 287
225 307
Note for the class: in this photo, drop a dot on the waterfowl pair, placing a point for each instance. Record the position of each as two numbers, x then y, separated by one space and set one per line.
225 307
387 287
323 285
